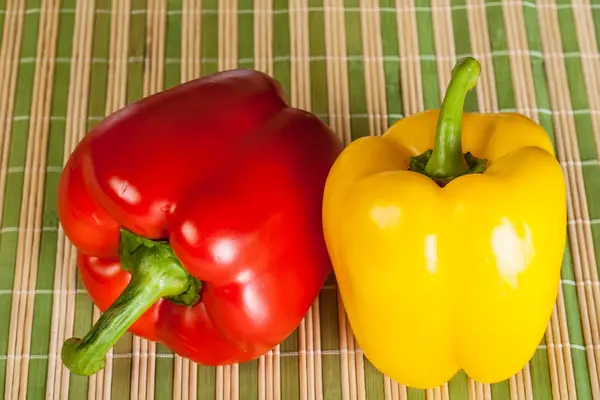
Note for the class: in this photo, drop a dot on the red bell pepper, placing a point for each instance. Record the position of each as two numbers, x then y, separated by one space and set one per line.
196 213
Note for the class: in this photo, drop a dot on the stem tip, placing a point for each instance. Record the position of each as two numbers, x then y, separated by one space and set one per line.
74 360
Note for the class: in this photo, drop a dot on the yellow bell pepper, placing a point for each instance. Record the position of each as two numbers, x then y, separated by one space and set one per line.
448 260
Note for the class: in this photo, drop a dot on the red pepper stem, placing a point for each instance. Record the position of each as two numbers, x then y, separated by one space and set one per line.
447 159
155 273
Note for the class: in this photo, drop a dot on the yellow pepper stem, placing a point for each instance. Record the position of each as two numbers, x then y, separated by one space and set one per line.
447 161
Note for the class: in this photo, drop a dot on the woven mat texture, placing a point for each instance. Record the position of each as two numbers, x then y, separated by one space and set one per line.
358 64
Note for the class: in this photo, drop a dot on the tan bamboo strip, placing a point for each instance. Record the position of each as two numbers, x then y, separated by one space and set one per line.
227 382
9 66
99 386
63 305
373 64
561 372
352 368
263 36
144 351
185 376
443 40
116 97
337 71
30 224
309 357
228 31
393 390
300 54
309 333
438 393
584 25
185 379
441 16
588 46
269 364
351 358
487 101
412 102
579 233
227 379
10 50
191 36
410 63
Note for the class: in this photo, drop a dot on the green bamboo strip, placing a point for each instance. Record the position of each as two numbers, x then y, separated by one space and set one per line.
248 372
61 256
584 82
210 36
562 97
391 51
566 143
167 378
246 34
175 49
319 93
471 36
594 15
330 343
28 245
518 385
207 383
336 378
10 50
278 45
13 44
361 124
209 39
249 380
2 14
429 84
327 372
525 102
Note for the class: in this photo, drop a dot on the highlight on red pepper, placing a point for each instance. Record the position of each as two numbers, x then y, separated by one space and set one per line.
196 213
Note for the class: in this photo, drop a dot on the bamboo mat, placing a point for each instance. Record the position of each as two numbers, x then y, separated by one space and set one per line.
358 64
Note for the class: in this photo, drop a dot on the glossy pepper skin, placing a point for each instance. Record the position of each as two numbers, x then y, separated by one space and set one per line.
448 260
196 213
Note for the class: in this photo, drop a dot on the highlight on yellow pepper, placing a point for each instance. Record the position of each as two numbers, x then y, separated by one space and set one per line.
446 236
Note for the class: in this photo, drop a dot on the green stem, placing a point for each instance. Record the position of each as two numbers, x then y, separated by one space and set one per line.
447 159
155 273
